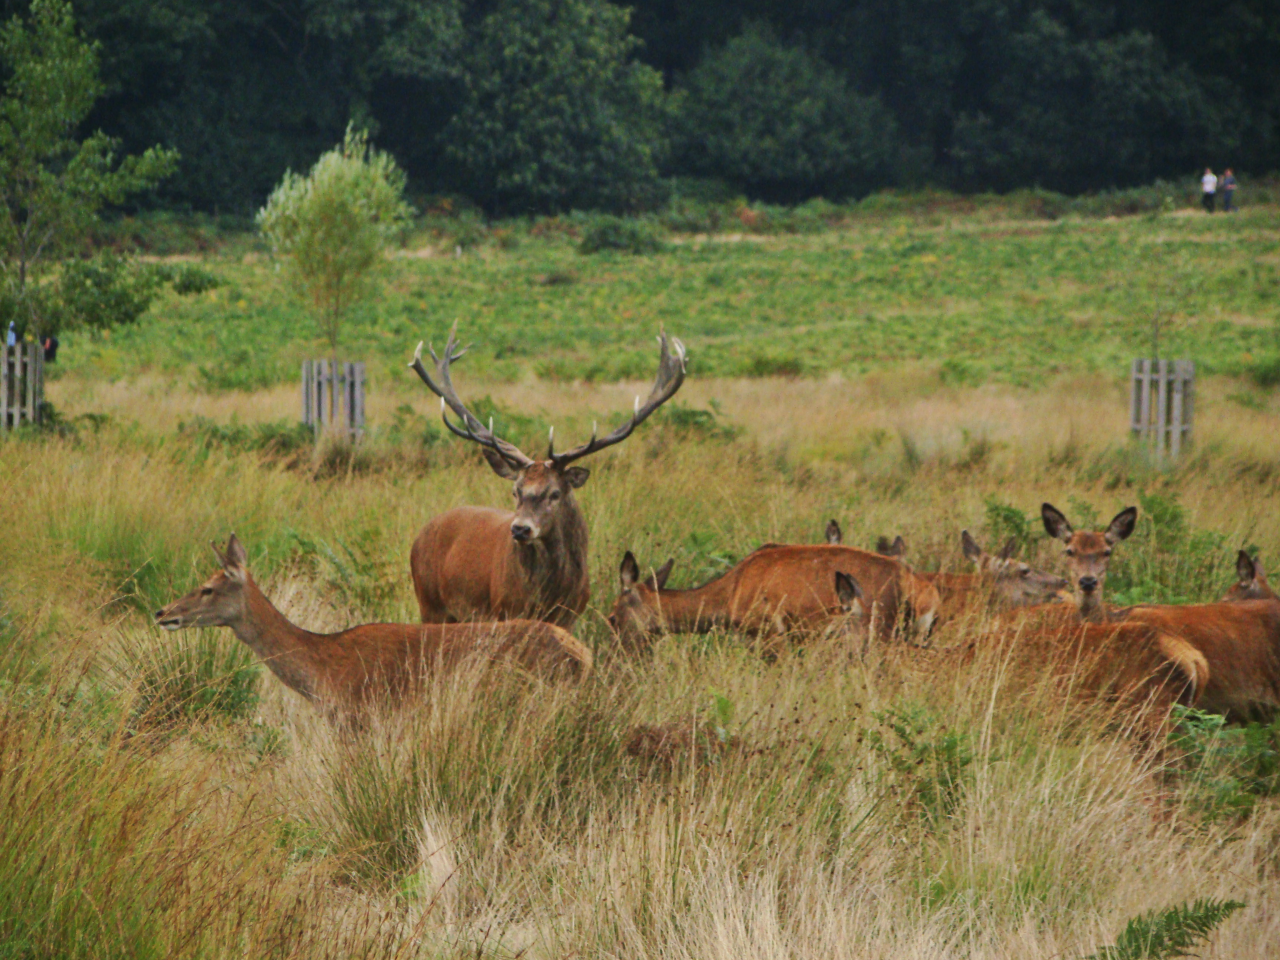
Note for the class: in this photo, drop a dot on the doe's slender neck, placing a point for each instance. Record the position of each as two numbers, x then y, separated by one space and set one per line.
284 647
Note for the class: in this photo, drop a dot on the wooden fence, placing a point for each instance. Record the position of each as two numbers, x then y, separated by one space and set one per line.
1161 401
320 383
21 384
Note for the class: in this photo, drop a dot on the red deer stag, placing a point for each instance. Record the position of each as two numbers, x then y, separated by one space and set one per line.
344 671
478 563
777 590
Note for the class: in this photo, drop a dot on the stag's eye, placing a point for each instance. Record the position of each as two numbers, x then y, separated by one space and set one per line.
1070 552
555 495
207 592
1107 553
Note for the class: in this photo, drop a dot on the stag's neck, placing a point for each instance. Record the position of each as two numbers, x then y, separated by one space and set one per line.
698 610
286 649
556 565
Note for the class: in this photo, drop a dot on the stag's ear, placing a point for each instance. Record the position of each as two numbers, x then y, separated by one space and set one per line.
833 532
499 464
1122 525
899 546
576 476
1055 524
849 593
234 559
969 546
1010 549
660 575
629 571
1246 569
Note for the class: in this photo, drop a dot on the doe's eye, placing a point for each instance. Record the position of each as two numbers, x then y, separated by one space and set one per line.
207 591
555 495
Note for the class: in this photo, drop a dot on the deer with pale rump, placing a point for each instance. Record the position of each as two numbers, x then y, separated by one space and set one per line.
1239 639
778 590
478 563
346 671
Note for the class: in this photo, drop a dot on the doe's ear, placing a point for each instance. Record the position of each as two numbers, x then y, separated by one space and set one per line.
1246 569
660 575
629 571
1122 525
969 546
234 559
1010 549
499 464
1055 524
833 532
899 546
848 592
576 476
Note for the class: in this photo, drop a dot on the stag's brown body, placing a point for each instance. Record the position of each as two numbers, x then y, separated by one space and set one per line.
780 589
466 566
344 671
474 563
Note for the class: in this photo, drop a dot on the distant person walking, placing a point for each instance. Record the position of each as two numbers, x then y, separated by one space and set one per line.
12 339
1208 189
1229 192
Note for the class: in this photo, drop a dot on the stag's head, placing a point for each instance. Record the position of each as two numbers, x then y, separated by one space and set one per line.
1016 583
543 489
1251 581
219 601
637 613
1088 554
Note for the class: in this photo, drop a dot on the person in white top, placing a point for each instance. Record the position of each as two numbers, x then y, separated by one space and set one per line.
1208 189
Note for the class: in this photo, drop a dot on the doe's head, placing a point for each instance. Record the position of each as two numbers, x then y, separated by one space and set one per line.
219 601
1016 583
637 613
1088 553
1251 581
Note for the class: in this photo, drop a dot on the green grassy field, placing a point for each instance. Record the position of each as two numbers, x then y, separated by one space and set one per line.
974 300
164 796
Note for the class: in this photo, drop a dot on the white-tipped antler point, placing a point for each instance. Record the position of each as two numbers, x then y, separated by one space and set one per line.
417 355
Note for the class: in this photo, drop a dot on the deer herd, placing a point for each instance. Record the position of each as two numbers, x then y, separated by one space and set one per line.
506 586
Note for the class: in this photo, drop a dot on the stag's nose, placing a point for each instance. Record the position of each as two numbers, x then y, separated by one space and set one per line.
1088 584
520 532
159 614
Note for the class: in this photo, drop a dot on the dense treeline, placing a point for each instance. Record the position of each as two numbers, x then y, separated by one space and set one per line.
550 104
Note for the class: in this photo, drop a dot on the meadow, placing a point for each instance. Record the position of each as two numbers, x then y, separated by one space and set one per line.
163 796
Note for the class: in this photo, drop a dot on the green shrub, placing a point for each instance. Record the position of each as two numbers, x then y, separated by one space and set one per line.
927 763
1166 560
188 279
688 421
279 438
781 122
1265 372
621 233
103 292
1229 768
243 368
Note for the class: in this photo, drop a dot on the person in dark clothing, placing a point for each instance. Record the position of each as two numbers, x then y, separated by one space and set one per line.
1228 191
50 348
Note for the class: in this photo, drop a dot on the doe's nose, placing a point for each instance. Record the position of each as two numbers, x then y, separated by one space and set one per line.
520 532
159 614
1088 584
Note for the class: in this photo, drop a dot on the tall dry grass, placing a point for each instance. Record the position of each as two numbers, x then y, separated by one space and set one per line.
887 806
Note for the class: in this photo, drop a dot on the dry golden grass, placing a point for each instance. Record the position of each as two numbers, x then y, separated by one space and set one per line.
509 819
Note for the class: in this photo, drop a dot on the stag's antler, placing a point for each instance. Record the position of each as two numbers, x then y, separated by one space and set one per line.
671 368
471 429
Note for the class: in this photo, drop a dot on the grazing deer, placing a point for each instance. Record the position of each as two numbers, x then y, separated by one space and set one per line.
1088 554
1239 639
776 590
478 563
1002 580
345 670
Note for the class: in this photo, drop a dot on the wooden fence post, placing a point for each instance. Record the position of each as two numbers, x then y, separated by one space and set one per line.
345 383
21 385
1164 421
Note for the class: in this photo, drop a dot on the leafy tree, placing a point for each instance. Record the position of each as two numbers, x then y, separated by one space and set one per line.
782 123
332 227
52 184
556 114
